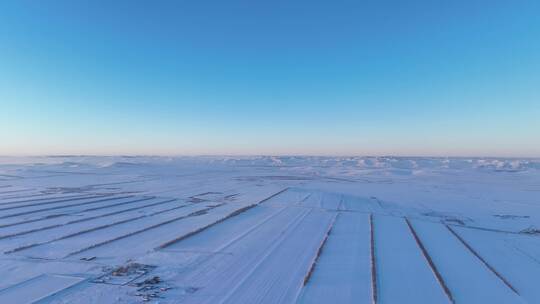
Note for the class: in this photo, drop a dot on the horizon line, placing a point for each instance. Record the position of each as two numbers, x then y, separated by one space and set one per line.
266 155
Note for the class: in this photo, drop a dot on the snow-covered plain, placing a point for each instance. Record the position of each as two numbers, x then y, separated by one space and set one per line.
81 229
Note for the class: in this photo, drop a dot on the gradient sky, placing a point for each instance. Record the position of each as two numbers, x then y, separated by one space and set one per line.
270 77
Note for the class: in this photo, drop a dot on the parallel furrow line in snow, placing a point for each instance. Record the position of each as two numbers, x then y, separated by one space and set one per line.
89 218
192 233
277 243
235 213
54 200
305 198
341 203
92 229
78 211
274 278
434 269
34 220
16 196
200 263
249 231
116 205
491 268
64 206
373 261
203 267
8 177
41 196
15 191
319 250
486 229
195 213
272 196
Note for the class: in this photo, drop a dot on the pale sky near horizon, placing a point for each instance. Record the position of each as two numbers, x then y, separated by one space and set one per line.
419 77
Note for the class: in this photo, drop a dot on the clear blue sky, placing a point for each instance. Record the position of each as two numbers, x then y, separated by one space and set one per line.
270 77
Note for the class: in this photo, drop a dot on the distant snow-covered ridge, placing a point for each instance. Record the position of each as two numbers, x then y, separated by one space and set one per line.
366 162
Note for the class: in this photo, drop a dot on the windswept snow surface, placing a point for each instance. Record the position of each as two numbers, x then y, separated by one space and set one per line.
84 229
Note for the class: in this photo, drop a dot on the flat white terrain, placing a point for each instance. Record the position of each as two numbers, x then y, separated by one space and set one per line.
77 229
